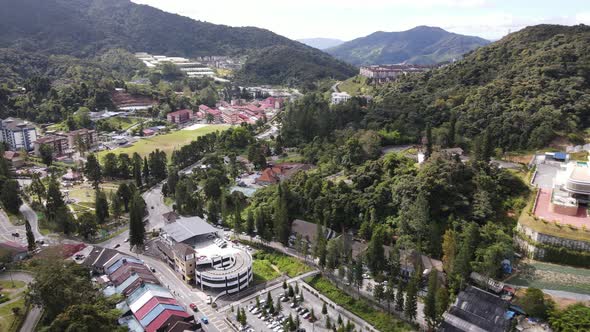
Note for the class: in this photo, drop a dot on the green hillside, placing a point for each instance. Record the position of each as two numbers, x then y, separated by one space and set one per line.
420 45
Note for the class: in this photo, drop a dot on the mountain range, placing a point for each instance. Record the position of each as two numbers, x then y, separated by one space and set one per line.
420 45
321 43
89 28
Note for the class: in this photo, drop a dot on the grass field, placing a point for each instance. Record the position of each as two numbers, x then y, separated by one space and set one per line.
8 321
85 193
269 264
166 142
552 276
379 319
122 123
356 86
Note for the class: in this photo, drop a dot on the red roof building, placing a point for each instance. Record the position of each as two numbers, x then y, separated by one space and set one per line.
151 304
180 116
163 317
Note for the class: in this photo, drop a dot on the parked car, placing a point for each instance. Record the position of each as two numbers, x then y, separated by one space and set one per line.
293 305
117 245
194 307
204 320
209 300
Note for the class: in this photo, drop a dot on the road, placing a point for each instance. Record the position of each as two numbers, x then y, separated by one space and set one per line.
335 87
31 216
34 313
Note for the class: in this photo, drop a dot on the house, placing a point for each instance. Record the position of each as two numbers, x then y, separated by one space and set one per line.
58 143
308 231
279 172
409 259
16 251
148 132
340 97
72 176
184 261
16 159
17 134
386 73
477 310
180 116
87 137
170 217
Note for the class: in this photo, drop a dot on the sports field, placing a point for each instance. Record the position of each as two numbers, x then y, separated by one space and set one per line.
166 142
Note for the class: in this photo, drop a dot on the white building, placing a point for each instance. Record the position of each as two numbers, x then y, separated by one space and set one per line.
340 97
18 134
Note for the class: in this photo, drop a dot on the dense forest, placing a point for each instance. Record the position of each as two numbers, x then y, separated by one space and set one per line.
89 28
527 89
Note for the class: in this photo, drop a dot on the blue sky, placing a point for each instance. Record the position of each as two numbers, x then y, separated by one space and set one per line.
349 19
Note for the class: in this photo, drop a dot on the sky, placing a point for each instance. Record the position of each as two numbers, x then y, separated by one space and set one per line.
349 19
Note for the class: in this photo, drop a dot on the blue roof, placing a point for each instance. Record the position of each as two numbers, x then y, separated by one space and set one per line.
560 155
142 289
120 263
154 313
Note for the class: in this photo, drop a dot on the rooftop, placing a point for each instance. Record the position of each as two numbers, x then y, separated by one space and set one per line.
187 228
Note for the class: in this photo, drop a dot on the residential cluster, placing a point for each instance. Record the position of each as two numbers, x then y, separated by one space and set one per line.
148 306
191 68
64 145
387 73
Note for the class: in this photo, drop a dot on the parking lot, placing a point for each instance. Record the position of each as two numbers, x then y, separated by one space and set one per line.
257 321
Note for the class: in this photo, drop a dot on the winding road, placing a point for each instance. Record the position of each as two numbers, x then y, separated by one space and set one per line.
34 313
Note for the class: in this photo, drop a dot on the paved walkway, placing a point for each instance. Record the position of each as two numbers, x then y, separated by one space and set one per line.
542 211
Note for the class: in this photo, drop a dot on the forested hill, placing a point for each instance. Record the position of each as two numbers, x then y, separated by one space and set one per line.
526 89
420 45
87 28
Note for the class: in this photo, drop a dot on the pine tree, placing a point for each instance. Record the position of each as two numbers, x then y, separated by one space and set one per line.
101 206
399 297
136 227
10 196
281 214
358 274
38 188
375 252
30 236
324 309
55 200
328 323
430 300
428 151
145 172
389 294
250 222
449 248
296 289
442 303
116 205
378 292
172 179
93 170
411 305
285 285
137 170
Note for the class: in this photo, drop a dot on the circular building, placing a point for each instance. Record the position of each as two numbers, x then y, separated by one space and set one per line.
229 270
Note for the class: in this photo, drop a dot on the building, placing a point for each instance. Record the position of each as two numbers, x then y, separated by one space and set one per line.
308 231
184 261
16 251
191 247
476 310
58 143
279 172
340 97
148 306
180 116
14 158
88 137
17 134
571 188
387 73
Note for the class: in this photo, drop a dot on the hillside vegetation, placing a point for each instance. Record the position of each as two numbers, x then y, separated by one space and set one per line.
89 28
525 90
420 45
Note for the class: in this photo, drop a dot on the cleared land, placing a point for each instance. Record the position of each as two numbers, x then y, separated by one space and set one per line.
356 86
552 276
122 123
166 142
381 320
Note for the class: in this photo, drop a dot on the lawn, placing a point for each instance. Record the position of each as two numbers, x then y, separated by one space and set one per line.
8 321
379 319
552 276
264 271
85 193
291 266
355 86
7 284
123 123
166 142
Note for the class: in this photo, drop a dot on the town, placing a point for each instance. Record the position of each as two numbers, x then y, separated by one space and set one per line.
161 173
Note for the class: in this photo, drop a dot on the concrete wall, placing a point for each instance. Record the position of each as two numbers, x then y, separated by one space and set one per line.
539 253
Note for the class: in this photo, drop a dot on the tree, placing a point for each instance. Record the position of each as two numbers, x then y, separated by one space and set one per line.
442 303
358 274
375 252
10 196
281 216
430 301
324 309
428 151
137 176
320 247
389 294
379 292
110 168
291 291
93 170
285 285
101 206
38 188
399 297
146 171
449 248
575 317
46 153
534 303
411 305
87 225
124 192
116 205
136 227
243 317
172 179
30 236
312 316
